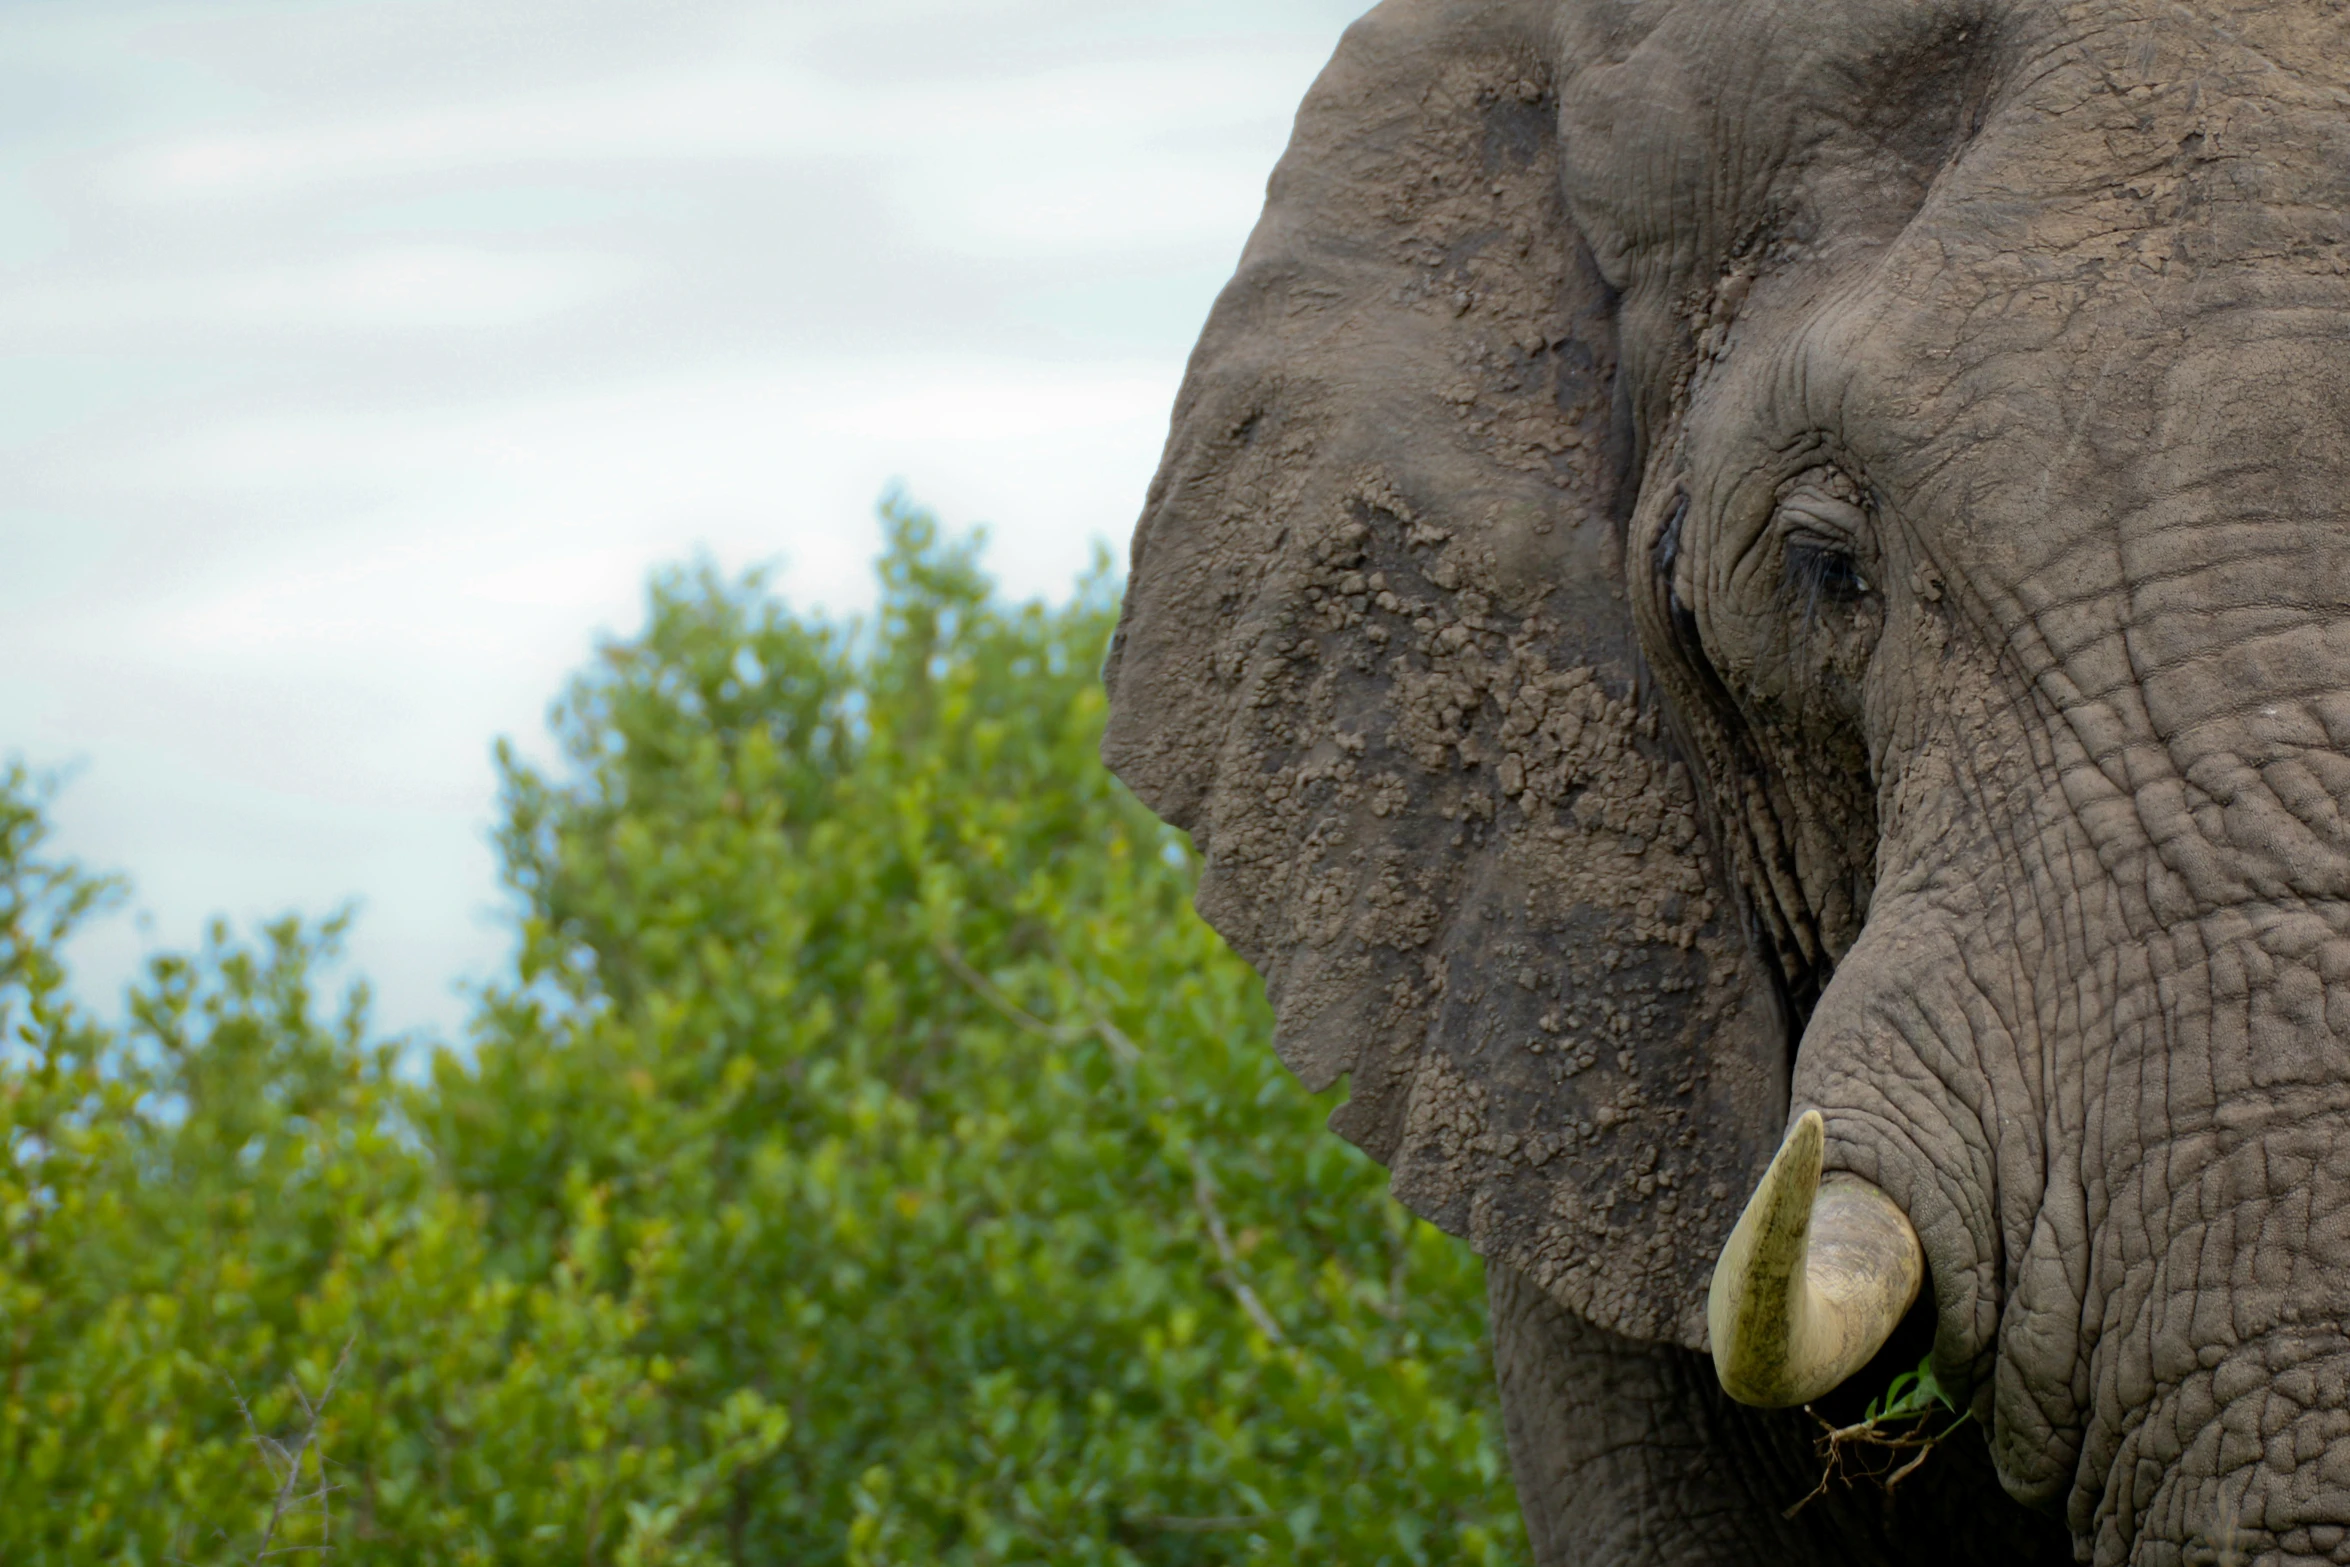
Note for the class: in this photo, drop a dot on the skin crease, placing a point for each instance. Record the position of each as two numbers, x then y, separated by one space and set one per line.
1855 492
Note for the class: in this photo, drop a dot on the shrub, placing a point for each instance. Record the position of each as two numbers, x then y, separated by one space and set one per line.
869 1159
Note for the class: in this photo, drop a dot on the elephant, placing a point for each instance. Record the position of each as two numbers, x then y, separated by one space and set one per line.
1748 607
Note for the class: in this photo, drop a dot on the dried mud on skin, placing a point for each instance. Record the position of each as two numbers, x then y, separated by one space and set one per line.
1438 817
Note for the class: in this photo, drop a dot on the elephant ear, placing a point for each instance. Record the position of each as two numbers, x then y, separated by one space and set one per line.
1376 657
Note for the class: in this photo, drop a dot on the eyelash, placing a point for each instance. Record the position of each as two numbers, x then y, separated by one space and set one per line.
1820 571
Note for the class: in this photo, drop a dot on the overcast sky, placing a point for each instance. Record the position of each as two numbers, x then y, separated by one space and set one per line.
359 357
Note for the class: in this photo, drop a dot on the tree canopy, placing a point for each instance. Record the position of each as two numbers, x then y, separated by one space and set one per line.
868 1159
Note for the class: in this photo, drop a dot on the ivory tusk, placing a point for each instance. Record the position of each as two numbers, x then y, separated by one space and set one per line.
1813 1279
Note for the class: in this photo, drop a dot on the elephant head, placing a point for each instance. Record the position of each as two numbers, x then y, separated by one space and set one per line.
1735 564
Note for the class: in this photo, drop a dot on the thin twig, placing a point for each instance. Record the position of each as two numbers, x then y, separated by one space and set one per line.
996 998
1210 1525
1231 1276
1121 1047
1126 1050
1838 1442
275 1454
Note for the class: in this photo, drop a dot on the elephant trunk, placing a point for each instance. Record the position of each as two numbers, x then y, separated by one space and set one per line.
1811 1282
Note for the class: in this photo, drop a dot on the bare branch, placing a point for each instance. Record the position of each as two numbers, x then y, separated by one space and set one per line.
1208 1525
1230 1277
996 998
1122 1048
285 1465
1125 1049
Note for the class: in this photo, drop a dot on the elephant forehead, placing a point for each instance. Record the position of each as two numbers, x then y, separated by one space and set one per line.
2112 327
1691 129
2148 210
2030 142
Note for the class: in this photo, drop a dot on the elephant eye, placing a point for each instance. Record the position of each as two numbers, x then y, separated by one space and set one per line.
1822 573
1820 518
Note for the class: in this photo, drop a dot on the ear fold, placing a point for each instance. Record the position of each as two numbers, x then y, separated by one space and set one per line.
1376 657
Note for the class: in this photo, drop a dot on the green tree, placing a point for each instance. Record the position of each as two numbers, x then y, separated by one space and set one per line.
870 1159
242 1309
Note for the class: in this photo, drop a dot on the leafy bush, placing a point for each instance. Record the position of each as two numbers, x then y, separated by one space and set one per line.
870 1159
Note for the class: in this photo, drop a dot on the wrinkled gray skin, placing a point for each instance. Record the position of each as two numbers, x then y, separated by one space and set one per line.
1722 557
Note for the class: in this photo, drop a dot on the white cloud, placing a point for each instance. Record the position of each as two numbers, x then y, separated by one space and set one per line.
567 581
767 110
1110 202
381 290
925 406
699 440
367 655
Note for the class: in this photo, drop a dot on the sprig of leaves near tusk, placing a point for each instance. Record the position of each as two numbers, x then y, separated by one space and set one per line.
1812 1281
1890 1440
